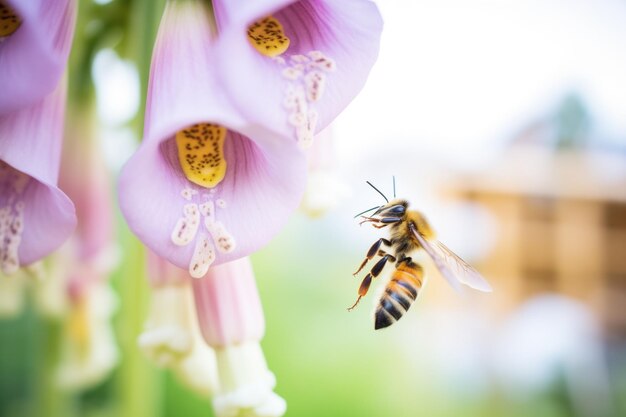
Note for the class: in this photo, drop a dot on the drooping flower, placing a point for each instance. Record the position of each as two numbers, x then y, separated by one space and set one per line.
35 39
36 217
206 186
83 265
172 337
307 59
91 253
231 320
87 181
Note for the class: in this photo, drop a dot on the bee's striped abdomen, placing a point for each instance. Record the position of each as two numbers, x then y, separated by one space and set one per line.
399 294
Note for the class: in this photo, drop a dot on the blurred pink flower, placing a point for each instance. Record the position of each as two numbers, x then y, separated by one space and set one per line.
231 320
87 181
36 217
206 186
76 287
35 40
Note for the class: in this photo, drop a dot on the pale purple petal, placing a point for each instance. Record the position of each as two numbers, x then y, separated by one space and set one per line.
346 32
34 57
240 12
30 146
265 176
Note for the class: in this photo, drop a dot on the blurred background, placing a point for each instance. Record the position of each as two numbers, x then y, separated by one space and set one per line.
504 122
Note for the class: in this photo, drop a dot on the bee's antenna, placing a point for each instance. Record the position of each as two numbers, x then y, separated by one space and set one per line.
394 186
363 212
370 184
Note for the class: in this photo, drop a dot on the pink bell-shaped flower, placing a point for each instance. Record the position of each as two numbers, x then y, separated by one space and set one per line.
231 320
206 185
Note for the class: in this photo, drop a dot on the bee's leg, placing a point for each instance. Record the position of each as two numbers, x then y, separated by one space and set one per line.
375 271
380 222
365 285
378 268
372 252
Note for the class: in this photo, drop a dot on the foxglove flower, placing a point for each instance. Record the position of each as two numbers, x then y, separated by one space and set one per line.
206 186
36 217
171 337
76 292
307 59
91 253
35 39
83 265
87 181
231 320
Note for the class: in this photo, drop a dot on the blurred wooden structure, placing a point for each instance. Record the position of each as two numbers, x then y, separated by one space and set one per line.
561 217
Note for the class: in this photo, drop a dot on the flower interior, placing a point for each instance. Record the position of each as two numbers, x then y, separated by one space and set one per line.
12 185
304 70
267 36
201 153
201 156
9 20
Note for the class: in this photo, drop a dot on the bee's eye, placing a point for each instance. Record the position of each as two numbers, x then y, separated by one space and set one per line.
398 209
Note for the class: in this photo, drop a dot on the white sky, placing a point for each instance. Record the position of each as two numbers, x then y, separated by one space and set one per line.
455 77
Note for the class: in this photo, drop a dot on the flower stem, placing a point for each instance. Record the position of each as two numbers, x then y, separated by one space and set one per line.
50 400
146 17
140 383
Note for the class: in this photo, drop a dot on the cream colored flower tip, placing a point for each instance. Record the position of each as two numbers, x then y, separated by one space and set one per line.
172 339
167 336
88 351
324 192
246 384
198 370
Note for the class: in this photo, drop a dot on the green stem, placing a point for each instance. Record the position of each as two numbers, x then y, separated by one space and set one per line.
51 401
146 17
140 383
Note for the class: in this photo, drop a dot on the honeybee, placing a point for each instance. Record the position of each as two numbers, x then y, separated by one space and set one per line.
409 233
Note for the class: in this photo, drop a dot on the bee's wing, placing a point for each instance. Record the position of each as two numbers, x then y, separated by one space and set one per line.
452 267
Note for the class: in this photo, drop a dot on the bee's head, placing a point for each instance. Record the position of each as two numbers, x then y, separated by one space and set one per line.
394 208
